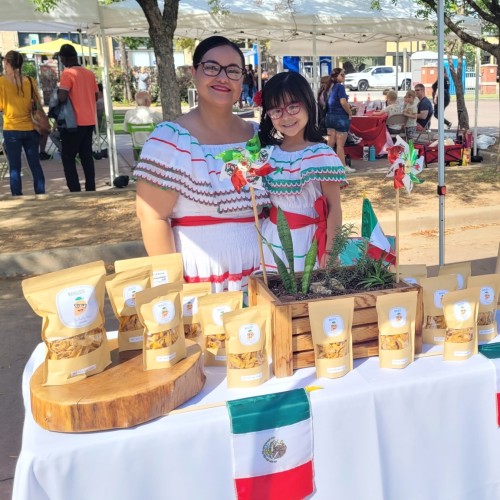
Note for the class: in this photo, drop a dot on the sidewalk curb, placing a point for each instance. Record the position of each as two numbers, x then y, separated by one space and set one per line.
46 261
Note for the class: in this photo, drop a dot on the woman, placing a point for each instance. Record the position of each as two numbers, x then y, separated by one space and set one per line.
182 204
446 85
18 130
338 115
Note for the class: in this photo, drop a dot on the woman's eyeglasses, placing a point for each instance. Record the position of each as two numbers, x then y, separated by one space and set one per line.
276 113
233 71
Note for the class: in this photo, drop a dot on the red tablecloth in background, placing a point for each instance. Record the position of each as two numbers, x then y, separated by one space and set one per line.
372 130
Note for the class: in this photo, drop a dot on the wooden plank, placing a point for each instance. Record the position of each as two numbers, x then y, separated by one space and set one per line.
282 340
121 396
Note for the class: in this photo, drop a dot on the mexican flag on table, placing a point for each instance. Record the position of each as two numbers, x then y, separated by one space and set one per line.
378 244
492 352
272 446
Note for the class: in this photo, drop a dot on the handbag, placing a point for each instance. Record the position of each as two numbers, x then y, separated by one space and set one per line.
38 116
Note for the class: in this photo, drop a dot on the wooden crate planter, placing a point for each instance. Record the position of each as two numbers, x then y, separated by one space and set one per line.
292 341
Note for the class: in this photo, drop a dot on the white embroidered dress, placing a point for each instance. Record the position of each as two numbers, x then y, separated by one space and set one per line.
294 187
223 254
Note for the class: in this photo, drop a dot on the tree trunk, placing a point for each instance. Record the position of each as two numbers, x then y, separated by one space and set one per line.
463 114
127 88
161 30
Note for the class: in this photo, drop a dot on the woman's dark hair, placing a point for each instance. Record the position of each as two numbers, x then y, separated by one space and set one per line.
211 43
281 90
16 59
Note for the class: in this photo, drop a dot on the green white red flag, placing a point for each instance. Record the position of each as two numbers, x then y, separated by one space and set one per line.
378 244
272 446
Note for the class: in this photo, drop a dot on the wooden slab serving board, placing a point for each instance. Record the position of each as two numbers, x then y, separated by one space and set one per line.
122 396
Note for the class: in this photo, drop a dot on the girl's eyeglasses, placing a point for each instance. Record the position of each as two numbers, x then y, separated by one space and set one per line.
233 71
291 109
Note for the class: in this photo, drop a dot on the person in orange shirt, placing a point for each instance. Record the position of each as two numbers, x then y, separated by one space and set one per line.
18 130
79 86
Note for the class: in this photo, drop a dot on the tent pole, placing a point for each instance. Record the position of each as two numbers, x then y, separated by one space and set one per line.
397 66
441 180
108 107
315 83
259 66
476 96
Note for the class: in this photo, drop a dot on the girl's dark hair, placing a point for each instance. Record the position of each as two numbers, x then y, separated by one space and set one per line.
15 59
281 90
333 78
212 42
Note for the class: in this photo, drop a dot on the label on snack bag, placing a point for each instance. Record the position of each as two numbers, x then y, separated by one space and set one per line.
333 326
249 334
134 340
249 378
336 369
486 296
166 358
486 331
397 316
77 306
460 281
411 281
217 313
438 297
461 354
160 277
129 293
462 310
220 358
438 339
399 362
164 311
82 371
189 306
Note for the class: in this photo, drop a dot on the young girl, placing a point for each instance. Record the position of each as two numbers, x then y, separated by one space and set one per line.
410 110
309 175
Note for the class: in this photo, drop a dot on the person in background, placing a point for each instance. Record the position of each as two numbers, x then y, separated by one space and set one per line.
424 107
384 93
79 85
248 86
410 110
143 79
18 131
308 175
182 203
392 108
338 114
141 115
435 97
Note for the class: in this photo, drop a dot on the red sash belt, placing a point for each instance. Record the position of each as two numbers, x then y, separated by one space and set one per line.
298 221
205 220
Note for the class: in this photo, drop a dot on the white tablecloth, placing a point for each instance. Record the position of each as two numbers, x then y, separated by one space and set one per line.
427 432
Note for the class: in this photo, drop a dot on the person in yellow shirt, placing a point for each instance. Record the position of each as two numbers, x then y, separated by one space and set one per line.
18 130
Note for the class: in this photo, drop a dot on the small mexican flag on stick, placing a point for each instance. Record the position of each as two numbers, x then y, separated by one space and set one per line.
272 446
378 244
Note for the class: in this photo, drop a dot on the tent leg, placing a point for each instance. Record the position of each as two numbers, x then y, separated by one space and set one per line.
441 175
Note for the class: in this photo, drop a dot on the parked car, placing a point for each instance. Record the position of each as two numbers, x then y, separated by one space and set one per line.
378 77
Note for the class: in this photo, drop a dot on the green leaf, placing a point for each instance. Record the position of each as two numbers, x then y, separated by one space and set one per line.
309 263
228 155
285 236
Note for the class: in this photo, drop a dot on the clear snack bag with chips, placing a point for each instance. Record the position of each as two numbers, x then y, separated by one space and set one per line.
190 294
122 288
331 329
247 331
71 303
489 284
160 311
434 327
211 308
460 310
396 325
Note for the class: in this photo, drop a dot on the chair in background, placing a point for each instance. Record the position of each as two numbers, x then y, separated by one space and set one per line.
425 130
139 134
395 120
101 135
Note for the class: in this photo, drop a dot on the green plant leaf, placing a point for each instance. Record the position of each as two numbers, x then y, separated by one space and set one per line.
285 236
309 266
